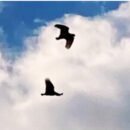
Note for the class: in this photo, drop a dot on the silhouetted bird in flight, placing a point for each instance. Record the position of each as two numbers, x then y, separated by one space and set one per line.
49 91
64 34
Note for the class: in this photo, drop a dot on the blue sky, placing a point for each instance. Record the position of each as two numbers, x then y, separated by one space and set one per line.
18 19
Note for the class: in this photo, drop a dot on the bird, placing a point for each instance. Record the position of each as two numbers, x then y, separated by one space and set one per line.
64 34
49 91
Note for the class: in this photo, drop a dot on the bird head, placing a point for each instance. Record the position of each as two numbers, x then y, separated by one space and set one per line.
47 79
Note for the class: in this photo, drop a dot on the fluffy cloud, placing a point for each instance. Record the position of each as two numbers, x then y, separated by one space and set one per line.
93 74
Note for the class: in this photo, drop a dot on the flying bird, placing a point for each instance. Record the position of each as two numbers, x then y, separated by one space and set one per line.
64 34
49 91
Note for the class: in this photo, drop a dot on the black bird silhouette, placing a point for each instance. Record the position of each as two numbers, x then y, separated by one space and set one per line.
64 34
50 89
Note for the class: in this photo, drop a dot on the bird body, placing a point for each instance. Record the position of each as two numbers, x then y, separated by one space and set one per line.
64 34
50 89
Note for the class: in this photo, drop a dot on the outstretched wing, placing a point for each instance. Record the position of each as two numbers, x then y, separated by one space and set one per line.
69 42
49 86
64 29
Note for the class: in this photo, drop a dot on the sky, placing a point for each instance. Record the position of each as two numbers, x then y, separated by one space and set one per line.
18 19
93 74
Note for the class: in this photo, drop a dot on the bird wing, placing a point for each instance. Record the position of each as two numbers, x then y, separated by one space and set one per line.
64 29
69 42
49 86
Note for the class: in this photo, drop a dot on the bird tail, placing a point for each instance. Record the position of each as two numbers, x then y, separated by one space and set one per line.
42 94
57 38
68 46
58 94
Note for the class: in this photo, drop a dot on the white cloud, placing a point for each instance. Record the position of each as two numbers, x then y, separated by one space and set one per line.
93 74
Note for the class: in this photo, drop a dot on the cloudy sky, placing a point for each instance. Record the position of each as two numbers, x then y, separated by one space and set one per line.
93 74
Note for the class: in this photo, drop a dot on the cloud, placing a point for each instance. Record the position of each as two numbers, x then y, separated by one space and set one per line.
93 74
2 6
37 20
